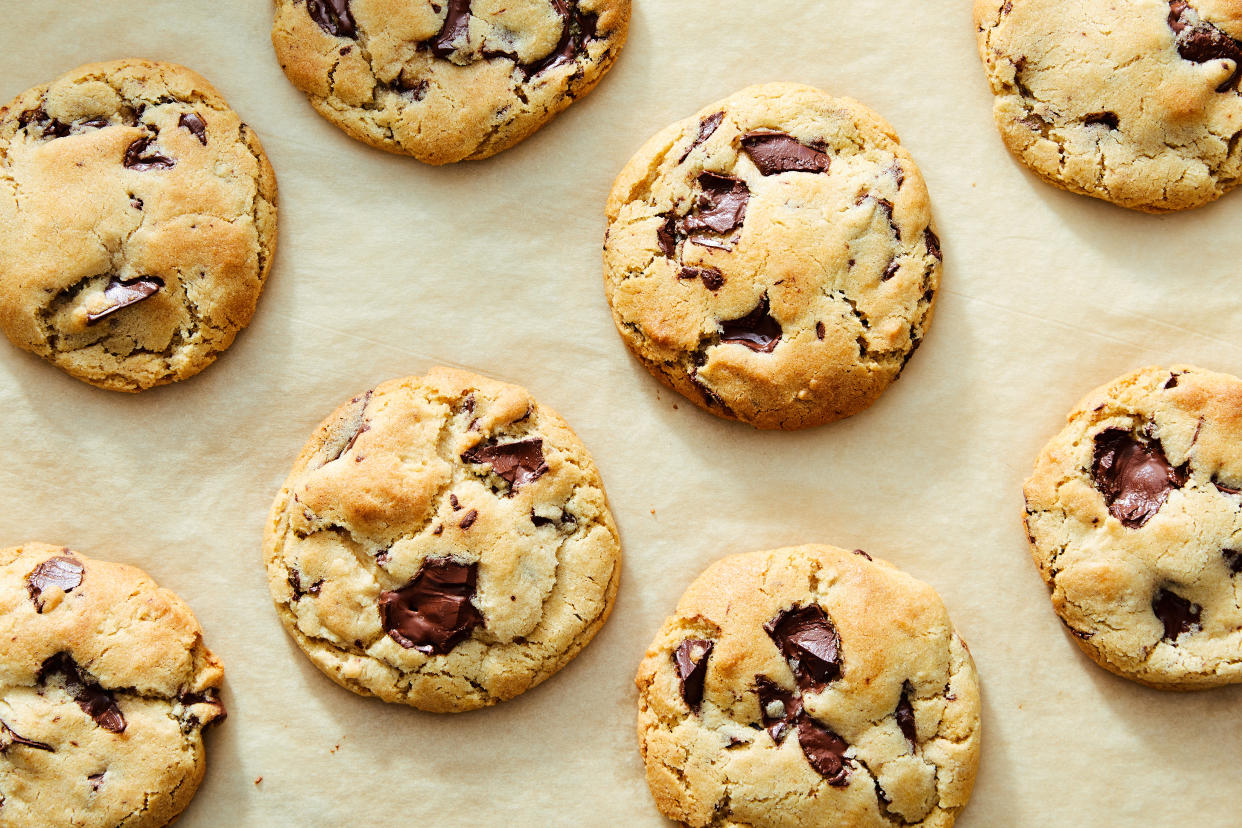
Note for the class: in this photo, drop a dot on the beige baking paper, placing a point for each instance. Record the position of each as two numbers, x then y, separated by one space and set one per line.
386 267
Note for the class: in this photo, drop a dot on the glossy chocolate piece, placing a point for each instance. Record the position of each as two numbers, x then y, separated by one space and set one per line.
824 750
1199 41
9 737
778 708
756 330
707 126
140 158
1134 476
720 207
433 612
519 462
905 716
195 124
690 659
121 293
809 642
95 701
333 17
1176 613
776 152
61 571
712 278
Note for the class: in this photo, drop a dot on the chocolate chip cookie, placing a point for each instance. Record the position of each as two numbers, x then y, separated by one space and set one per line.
446 80
809 686
105 689
137 223
1136 103
772 258
1135 518
442 541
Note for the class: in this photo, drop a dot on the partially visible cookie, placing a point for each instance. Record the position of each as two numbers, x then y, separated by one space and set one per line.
442 541
446 80
137 223
1134 512
1136 103
809 686
105 688
772 257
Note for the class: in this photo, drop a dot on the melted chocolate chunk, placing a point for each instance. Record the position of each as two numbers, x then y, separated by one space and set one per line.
756 330
579 28
1176 613
712 278
333 17
1108 119
810 644
195 124
61 571
519 462
905 716
468 520
48 126
706 127
206 697
776 152
456 27
1134 477
1199 41
1223 489
138 159
721 207
433 613
95 701
890 271
778 708
691 661
295 584
1233 559
666 236
9 737
824 750
121 293
933 243
820 330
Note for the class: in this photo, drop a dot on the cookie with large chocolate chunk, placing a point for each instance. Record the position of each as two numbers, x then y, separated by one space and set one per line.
446 80
1136 103
772 257
1134 513
809 686
138 224
104 694
443 541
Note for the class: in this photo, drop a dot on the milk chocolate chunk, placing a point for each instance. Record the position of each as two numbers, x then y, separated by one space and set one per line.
140 158
61 571
456 27
712 278
195 124
1134 476
905 715
756 330
9 737
776 152
333 17
121 293
824 750
1199 41
95 701
433 613
691 661
721 206
778 708
809 642
666 236
519 462
707 126
1176 613
469 519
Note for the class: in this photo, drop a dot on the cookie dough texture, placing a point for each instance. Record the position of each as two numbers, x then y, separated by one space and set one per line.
137 223
1134 512
772 257
1134 102
446 80
105 688
410 480
897 690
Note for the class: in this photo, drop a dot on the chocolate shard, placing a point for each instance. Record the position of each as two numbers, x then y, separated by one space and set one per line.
1199 41
433 612
778 708
455 28
824 750
720 207
776 152
905 716
690 659
1176 613
468 520
1107 119
9 737
121 293
712 278
61 571
756 330
809 642
707 126
933 244
333 17
666 237
579 27
519 462
1134 476
95 701
1223 489
195 124
1233 559
138 159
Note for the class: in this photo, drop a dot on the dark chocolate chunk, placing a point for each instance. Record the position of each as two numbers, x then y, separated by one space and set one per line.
756 330
809 642
824 750
208 696
721 206
905 716
1199 41
454 503
456 26
61 571
519 462
776 152
1233 559
778 708
333 17
666 236
195 124
933 243
1176 613
1171 383
96 779
295 584
712 278
579 28
863 554
95 123
121 293
820 330
48 126
890 271
1223 489
691 661
136 160
469 518
1134 477
433 613
706 127
95 701
9 737
1108 119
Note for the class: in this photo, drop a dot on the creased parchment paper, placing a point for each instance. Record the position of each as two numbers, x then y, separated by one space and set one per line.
387 267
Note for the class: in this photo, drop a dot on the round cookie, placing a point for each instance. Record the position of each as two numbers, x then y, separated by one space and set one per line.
772 257
1136 103
446 80
1134 513
442 541
809 686
105 688
137 223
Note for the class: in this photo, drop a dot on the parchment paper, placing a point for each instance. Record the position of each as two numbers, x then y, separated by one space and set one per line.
387 267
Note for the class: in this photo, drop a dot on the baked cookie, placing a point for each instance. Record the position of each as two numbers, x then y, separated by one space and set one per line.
446 80
809 686
105 688
1135 518
1136 102
137 223
772 257
442 541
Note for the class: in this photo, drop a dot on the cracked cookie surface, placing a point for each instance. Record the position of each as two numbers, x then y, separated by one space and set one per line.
442 541
1134 512
772 257
105 688
446 80
1136 103
137 223
809 686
